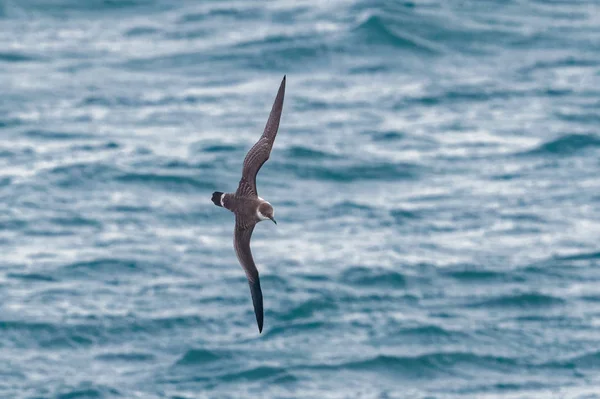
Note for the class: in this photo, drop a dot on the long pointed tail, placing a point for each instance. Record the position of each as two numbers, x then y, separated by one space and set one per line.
216 198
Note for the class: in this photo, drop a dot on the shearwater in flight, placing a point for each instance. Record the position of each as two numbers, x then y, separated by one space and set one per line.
248 207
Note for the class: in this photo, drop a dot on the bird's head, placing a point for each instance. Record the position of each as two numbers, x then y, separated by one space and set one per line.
265 211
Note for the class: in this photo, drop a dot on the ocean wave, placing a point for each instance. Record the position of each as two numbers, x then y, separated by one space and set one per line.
428 365
219 148
580 256
49 335
88 391
478 275
245 11
590 360
108 269
458 95
308 309
198 357
123 328
430 333
403 215
387 136
347 208
294 328
15 56
141 30
128 209
301 153
260 57
104 265
94 331
257 374
591 118
140 101
125 357
527 300
567 145
178 60
377 30
368 277
8 122
5 181
56 135
82 174
75 221
166 182
354 172
62 7
31 277
587 361
14 224
109 145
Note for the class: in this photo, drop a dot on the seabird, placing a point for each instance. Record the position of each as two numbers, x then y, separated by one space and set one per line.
248 207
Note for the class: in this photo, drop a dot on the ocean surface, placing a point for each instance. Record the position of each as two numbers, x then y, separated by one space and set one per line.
436 180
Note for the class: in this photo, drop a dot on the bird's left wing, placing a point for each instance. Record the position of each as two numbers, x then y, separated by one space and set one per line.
260 152
241 242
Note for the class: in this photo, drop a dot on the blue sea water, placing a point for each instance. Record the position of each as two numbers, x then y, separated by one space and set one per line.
435 179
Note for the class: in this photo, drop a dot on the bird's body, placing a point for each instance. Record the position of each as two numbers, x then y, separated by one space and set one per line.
242 205
248 207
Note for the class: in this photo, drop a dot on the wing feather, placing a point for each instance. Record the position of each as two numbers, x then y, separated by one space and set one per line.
260 152
241 243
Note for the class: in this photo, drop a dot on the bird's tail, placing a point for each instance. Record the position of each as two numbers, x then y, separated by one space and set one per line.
216 198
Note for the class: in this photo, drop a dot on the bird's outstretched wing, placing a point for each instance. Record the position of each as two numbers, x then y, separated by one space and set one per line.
260 152
241 242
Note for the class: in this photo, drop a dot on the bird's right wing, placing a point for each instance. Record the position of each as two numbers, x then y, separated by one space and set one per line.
260 152
241 242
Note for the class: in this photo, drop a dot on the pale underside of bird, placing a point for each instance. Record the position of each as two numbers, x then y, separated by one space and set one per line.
248 207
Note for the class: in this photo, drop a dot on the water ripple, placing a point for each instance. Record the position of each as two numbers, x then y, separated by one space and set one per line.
434 179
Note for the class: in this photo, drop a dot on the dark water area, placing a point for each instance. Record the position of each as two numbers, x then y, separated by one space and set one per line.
435 182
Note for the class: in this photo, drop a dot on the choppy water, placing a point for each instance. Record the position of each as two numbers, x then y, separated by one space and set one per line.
435 180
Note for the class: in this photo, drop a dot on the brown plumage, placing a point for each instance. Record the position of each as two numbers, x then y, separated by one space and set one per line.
248 207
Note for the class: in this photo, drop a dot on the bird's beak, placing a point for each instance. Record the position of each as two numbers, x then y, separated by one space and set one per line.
274 221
